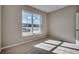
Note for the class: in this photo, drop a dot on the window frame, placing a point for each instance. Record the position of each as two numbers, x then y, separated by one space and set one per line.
32 23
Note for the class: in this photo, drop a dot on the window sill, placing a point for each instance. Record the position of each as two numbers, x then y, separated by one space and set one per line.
32 35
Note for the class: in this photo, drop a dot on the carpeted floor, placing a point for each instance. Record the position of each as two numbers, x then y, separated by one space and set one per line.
50 46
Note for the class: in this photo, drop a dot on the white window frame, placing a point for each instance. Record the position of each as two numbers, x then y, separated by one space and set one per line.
32 23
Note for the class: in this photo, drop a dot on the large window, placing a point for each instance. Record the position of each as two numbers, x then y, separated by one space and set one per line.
31 23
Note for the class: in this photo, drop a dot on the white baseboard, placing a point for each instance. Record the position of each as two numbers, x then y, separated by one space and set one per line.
20 43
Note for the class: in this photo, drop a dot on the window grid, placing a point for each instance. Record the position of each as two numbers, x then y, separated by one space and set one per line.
32 25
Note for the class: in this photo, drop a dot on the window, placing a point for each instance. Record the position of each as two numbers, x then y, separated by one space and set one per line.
36 24
31 23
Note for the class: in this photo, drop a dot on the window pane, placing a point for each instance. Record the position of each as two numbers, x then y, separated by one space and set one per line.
36 23
26 23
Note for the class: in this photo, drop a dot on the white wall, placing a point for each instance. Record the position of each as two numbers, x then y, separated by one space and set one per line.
62 24
11 26
0 28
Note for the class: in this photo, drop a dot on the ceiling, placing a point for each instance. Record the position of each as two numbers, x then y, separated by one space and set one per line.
48 8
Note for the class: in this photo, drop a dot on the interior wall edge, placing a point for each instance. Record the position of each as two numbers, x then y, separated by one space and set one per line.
0 27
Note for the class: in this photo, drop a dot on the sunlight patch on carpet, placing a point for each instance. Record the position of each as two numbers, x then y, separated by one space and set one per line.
53 42
44 46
